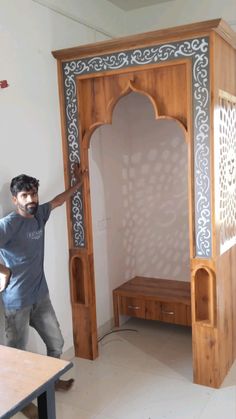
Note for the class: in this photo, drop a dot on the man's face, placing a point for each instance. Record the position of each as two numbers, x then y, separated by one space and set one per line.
26 203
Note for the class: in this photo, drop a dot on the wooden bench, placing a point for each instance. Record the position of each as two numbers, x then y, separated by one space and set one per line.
153 299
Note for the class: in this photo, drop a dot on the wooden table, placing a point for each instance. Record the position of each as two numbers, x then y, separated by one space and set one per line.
26 376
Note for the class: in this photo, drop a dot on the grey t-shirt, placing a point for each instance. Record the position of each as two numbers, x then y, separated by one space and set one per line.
22 250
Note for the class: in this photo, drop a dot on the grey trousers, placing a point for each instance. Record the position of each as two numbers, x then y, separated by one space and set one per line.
41 316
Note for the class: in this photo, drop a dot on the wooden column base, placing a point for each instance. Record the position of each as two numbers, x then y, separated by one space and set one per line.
84 332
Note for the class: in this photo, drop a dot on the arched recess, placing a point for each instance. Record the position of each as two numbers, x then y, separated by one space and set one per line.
111 107
169 94
138 172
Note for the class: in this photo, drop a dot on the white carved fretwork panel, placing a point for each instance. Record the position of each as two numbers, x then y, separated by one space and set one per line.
227 170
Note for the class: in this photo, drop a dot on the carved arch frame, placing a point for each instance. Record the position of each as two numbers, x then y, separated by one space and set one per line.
197 51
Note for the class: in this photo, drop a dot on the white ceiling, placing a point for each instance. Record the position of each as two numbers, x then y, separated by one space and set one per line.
135 4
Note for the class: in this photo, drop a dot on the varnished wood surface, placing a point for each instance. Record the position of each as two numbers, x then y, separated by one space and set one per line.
149 38
214 341
214 301
168 312
153 299
23 373
169 89
207 369
161 289
226 309
165 86
204 296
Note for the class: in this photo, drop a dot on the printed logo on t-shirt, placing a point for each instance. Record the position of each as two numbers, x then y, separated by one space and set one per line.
35 235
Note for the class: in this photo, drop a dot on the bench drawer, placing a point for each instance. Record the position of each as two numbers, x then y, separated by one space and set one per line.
133 307
168 312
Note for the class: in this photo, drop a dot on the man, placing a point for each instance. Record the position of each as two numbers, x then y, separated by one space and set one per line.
23 285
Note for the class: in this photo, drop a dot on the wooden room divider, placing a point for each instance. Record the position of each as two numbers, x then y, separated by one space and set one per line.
189 74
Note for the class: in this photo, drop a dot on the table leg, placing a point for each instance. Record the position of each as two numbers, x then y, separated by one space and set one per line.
46 403
116 309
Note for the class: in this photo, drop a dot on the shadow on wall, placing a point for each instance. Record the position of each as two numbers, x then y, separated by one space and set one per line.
139 194
6 205
155 204
5 208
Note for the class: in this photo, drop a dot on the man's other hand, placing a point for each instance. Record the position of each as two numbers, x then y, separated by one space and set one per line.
4 279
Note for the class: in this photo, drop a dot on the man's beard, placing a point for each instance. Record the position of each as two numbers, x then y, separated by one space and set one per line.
30 208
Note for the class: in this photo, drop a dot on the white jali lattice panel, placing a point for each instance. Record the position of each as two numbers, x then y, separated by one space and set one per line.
227 170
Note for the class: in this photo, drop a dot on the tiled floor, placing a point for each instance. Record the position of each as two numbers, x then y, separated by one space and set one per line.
145 373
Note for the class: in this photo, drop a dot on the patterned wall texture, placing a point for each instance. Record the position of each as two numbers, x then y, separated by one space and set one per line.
227 170
197 50
139 193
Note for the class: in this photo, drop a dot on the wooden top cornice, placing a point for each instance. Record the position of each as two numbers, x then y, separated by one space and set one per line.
149 38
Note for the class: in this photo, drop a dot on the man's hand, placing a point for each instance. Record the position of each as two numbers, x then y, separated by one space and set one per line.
5 275
79 176
79 173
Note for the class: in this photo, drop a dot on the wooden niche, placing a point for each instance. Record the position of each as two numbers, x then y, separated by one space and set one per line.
189 74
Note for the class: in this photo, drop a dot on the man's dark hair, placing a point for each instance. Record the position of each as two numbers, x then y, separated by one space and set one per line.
23 183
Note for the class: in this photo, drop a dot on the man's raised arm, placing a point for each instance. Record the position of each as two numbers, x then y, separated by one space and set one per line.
62 197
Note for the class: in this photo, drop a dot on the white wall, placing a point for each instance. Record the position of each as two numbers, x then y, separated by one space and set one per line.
100 15
179 12
108 149
138 173
30 137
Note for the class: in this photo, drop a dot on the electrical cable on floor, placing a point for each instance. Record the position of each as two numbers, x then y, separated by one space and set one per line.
115 331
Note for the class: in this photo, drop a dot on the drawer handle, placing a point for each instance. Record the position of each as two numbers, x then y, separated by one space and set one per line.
168 312
134 307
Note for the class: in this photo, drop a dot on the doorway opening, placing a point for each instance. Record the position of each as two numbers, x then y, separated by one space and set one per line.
139 198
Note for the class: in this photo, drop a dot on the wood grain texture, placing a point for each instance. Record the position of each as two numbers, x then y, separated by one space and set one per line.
214 342
169 87
224 69
165 86
153 299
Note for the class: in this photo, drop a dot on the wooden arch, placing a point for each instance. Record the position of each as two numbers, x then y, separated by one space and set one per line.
166 88
188 73
99 95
